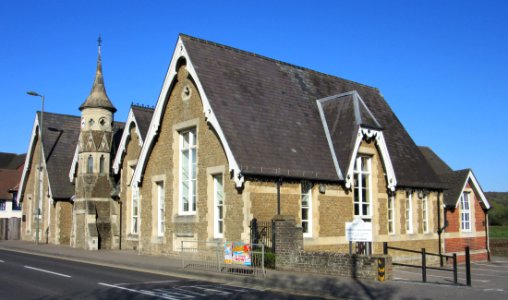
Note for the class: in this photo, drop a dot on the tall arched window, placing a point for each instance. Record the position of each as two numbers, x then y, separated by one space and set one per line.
101 165
89 165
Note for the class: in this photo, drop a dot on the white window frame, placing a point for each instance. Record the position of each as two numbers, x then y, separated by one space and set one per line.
361 200
409 212
39 212
391 214
191 170
218 205
135 212
465 199
425 214
161 208
306 192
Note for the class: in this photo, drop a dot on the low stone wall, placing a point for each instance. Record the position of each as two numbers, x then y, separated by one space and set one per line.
290 256
356 266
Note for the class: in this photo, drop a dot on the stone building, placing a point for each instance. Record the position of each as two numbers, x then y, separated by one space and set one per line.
236 136
45 192
230 124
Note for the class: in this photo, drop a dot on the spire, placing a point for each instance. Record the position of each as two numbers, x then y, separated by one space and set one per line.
98 97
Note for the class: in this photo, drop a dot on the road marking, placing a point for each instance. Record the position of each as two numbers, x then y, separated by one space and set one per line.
175 294
207 289
148 293
147 282
490 265
46 271
1 261
190 292
495 290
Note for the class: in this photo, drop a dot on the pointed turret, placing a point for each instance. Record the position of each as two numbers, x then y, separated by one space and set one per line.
98 97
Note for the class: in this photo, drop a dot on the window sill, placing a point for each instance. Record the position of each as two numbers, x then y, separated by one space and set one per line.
185 219
133 237
158 240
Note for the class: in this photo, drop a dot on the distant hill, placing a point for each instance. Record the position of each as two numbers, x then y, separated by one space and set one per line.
498 215
499 197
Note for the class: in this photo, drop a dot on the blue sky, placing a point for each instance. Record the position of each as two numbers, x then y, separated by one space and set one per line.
441 65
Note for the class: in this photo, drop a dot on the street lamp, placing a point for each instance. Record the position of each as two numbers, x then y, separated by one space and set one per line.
40 198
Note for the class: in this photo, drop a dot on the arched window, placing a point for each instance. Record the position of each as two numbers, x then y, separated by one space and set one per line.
101 165
89 166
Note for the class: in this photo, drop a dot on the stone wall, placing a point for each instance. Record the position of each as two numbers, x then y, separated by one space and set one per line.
290 256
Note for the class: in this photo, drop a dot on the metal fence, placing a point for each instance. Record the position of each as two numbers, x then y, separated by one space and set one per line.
261 233
211 256
424 265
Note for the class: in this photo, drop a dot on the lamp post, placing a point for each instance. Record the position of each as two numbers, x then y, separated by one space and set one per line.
40 198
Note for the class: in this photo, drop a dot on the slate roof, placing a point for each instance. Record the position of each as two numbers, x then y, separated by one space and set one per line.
143 117
439 165
9 179
454 181
11 161
267 110
60 136
343 116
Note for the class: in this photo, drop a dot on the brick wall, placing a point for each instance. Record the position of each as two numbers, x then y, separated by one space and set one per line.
456 240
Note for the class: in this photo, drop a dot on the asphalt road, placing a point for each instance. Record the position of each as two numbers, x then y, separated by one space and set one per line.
24 276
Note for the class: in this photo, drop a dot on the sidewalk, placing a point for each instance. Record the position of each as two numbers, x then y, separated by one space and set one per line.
290 282
312 284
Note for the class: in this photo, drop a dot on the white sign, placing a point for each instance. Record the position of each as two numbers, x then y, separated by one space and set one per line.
358 231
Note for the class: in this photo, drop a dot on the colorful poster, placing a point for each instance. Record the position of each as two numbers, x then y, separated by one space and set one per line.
228 253
237 253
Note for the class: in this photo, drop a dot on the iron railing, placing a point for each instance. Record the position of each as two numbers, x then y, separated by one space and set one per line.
261 233
424 265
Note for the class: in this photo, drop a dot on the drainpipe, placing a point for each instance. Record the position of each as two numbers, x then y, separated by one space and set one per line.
441 230
279 183
487 237
438 229
121 214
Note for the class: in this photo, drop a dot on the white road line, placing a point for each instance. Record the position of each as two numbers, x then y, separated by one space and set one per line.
176 294
1 261
148 293
490 265
46 271
190 292
206 289
147 282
